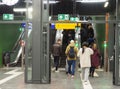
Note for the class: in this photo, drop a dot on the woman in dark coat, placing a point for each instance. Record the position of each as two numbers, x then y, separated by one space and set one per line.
94 60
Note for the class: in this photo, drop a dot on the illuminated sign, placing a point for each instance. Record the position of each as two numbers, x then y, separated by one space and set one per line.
67 25
74 19
8 17
62 17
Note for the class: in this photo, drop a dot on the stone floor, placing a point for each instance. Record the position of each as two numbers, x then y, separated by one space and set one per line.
102 80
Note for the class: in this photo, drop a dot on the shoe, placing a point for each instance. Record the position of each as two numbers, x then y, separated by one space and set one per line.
57 71
53 69
72 76
69 75
89 75
92 75
85 82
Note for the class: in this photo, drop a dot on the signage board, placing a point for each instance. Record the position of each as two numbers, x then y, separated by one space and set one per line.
8 17
67 25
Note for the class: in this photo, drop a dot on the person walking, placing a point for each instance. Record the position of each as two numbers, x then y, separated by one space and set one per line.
84 55
83 33
71 53
90 31
57 50
95 58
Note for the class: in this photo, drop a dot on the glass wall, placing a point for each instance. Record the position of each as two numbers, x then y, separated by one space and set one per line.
29 36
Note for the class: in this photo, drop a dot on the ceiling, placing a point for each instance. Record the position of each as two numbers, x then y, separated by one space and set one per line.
72 7
68 7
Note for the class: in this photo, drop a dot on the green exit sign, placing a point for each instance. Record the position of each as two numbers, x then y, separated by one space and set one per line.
8 17
74 19
62 17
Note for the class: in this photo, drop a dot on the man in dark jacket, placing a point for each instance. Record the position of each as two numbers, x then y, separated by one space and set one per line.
57 49
83 33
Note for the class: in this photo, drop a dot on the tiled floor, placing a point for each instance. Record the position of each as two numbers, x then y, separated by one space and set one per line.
59 81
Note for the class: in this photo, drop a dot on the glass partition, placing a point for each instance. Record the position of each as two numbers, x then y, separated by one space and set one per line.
28 59
29 36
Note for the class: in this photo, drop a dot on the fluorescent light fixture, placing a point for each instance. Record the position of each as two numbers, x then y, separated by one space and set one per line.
50 2
106 4
29 1
22 9
19 9
91 1
30 9
44 1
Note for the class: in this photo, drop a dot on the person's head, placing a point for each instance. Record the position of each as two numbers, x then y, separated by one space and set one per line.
72 42
85 44
94 46
89 26
59 41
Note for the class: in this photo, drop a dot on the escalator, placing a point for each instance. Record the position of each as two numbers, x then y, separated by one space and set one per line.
15 56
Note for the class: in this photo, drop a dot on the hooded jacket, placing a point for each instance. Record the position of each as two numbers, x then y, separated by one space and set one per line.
85 58
67 50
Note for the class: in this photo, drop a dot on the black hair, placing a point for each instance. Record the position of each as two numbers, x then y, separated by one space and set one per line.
84 44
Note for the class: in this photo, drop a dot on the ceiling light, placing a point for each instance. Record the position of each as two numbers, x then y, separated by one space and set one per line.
106 4
50 2
19 9
29 1
91 1
9 2
22 9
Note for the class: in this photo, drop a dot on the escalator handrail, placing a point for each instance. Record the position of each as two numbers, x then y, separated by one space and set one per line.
17 42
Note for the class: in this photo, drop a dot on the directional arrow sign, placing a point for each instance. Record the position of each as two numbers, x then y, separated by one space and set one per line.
8 16
62 17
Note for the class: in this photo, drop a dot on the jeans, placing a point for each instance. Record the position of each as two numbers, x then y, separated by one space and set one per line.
71 66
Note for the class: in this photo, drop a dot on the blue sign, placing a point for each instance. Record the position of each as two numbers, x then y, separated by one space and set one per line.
23 25
52 25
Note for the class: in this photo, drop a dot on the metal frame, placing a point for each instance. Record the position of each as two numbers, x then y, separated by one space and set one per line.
40 45
116 72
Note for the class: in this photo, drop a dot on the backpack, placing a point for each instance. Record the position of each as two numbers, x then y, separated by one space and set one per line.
71 52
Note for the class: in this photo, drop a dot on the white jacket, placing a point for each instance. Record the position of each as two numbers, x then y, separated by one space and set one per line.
85 58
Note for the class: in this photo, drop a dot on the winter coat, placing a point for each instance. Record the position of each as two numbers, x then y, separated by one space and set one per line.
90 33
57 49
95 58
85 58
67 50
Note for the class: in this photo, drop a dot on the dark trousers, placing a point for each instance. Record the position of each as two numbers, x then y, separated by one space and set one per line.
56 62
92 70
